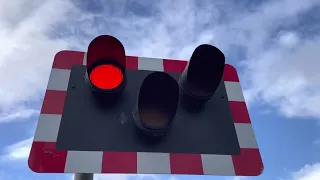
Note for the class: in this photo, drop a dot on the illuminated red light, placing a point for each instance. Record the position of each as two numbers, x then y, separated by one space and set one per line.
106 76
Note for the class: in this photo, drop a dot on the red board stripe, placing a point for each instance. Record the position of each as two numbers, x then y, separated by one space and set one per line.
239 112
44 158
230 73
174 65
53 102
186 163
248 163
132 62
119 162
66 59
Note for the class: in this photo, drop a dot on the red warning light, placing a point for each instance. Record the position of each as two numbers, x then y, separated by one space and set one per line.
106 76
106 69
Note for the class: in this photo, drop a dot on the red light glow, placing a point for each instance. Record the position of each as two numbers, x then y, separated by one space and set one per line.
106 76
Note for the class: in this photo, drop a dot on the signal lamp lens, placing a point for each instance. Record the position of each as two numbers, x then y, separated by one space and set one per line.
106 76
203 74
157 104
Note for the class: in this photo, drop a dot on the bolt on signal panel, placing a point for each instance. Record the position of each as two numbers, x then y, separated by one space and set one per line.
76 135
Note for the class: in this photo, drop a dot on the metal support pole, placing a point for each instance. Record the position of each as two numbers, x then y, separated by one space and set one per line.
83 176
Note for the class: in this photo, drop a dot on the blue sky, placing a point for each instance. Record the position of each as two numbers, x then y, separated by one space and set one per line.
273 44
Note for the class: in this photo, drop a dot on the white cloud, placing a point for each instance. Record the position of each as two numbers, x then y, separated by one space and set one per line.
240 178
288 39
17 151
26 51
174 178
317 142
111 177
21 114
288 78
308 172
149 177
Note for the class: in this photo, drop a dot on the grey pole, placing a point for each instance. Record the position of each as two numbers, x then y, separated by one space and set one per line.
83 176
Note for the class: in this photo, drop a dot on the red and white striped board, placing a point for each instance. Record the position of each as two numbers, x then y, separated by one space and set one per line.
45 158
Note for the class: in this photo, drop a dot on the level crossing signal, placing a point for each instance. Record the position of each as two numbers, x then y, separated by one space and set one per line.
106 112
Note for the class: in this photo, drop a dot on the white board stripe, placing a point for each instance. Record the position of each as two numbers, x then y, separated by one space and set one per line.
153 163
84 162
84 62
234 91
217 164
246 135
59 79
47 128
151 64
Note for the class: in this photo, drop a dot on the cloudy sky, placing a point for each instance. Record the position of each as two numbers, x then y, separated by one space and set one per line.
274 44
